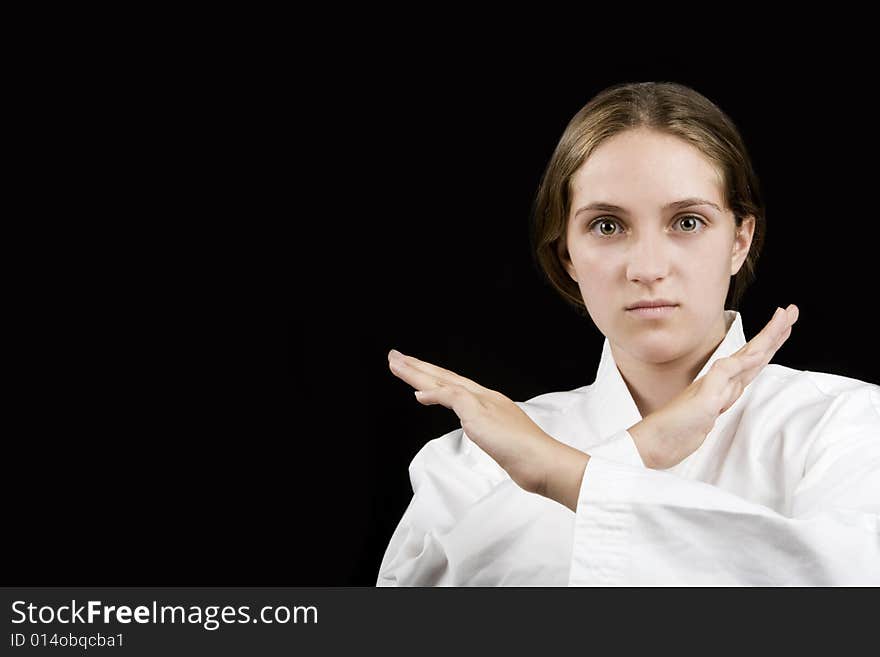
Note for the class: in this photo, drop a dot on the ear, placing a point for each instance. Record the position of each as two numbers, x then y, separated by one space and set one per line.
742 243
564 258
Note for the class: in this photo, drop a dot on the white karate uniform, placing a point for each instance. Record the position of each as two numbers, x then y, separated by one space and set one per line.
785 490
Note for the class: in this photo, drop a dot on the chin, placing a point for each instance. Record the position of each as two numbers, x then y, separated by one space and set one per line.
655 346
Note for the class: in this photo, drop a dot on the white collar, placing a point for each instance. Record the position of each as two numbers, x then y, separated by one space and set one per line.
612 407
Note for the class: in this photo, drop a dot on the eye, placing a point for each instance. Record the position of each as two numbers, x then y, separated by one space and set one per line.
602 222
606 222
692 217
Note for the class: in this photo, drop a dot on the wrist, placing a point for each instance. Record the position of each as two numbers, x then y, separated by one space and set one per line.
647 436
563 473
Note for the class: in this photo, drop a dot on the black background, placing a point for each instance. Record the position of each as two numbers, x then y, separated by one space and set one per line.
204 397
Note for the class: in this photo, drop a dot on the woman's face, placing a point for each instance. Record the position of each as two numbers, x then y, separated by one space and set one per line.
646 250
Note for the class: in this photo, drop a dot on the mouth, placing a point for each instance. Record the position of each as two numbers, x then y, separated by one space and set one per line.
652 311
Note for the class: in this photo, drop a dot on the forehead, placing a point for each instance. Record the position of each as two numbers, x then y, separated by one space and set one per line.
644 165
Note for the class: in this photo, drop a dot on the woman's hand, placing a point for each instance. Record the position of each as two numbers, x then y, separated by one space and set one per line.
490 419
668 436
539 463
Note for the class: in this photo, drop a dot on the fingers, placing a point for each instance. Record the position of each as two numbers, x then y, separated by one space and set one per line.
761 349
431 390
452 397
781 330
732 374
416 378
771 337
423 375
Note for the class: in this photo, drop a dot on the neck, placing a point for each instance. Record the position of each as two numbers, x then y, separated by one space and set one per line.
653 385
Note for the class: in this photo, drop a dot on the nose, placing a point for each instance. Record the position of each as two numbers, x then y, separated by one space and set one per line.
648 260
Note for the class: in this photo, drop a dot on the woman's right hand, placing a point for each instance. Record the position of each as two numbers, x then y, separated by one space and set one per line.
669 435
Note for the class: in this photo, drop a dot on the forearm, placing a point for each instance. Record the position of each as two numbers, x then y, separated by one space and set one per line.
564 474
565 465
646 441
658 444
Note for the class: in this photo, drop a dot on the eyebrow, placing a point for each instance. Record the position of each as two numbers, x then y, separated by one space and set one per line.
677 205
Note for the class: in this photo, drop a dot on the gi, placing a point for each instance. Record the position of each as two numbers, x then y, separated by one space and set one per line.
784 491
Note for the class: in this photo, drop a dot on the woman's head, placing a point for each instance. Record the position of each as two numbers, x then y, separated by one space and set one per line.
641 147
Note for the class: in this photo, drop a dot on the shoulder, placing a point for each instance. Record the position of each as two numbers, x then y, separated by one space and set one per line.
785 381
821 407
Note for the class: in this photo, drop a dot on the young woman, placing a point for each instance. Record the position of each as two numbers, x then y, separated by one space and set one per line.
689 460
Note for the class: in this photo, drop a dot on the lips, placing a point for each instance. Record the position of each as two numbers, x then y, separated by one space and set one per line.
652 312
656 303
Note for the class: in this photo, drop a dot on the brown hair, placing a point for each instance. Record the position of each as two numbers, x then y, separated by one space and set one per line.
667 107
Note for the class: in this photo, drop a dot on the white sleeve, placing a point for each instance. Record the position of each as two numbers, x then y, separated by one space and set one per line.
448 477
619 447
641 527
469 524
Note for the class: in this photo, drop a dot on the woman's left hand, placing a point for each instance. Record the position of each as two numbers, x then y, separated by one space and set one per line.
490 419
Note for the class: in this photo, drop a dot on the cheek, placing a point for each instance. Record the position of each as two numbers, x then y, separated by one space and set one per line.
594 273
711 267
